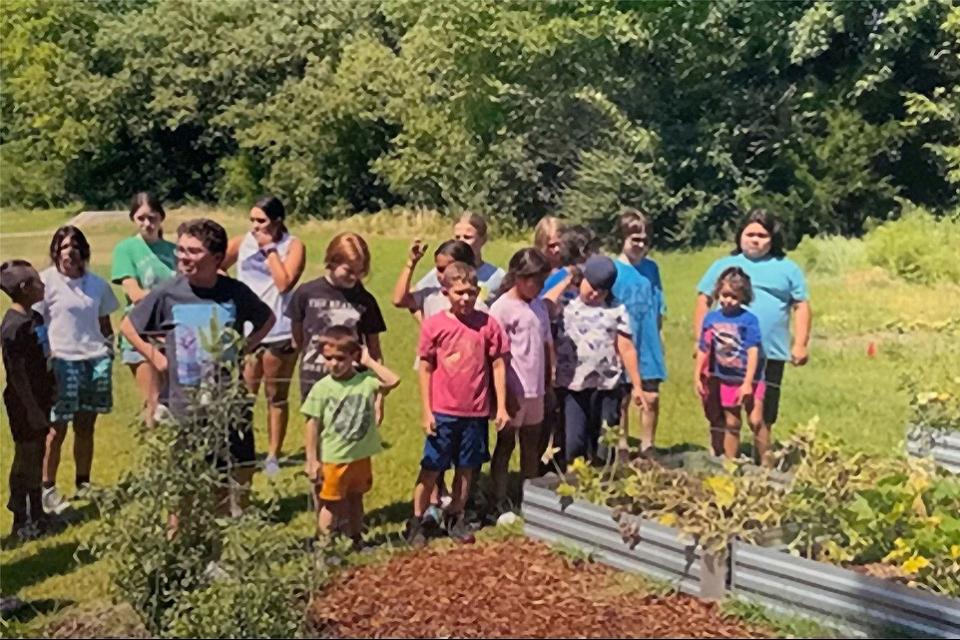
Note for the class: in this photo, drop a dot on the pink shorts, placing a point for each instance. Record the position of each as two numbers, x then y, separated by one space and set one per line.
728 394
720 396
530 412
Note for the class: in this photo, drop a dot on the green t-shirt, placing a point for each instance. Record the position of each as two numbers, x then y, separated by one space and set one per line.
345 409
148 264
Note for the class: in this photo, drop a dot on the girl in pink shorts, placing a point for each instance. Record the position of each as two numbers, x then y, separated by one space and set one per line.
728 373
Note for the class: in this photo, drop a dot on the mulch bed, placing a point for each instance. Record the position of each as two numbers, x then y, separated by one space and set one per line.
516 588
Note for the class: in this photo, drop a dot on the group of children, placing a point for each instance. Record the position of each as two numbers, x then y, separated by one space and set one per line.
552 350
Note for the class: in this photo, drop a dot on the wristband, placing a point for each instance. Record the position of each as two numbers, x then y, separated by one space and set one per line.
267 248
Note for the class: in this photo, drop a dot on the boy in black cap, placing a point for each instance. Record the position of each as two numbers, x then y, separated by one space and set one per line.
594 348
28 395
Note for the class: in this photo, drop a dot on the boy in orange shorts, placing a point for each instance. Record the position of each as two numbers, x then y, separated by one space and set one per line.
341 407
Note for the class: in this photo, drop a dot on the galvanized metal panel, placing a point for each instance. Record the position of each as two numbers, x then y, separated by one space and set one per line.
662 553
942 446
861 601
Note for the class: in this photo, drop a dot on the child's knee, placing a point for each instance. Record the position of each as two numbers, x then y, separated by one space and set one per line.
653 400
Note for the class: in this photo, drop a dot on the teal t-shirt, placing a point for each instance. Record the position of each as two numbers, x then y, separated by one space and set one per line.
635 292
778 283
345 409
149 264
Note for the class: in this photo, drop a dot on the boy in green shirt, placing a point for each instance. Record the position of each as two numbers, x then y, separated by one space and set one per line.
341 407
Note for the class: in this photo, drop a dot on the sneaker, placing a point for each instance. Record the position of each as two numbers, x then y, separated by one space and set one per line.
415 535
433 516
271 466
445 502
84 492
53 502
215 573
27 532
458 530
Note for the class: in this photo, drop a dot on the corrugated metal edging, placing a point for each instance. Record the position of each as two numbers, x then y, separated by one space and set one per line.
661 552
945 449
864 602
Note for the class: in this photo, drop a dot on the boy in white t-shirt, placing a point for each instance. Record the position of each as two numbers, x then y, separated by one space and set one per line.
76 312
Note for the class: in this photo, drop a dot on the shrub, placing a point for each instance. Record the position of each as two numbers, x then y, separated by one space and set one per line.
831 255
918 247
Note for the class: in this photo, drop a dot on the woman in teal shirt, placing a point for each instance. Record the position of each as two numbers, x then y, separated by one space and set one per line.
779 287
140 263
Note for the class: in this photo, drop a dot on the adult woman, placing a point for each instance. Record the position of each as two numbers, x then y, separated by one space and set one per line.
779 286
141 262
472 229
270 261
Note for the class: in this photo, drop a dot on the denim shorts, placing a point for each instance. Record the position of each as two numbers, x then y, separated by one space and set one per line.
459 441
82 385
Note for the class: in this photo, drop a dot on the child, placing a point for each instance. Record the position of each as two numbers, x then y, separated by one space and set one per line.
728 362
76 310
459 350
429 300
644 306
179 310
594 348
472 229
336 298
526 322
546 238
270 260
141 262
27 397
341 406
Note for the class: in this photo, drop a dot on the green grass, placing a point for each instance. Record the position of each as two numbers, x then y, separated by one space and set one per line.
855 396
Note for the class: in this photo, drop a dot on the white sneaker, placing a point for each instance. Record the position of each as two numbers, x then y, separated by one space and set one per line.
271 466
445 502
53 502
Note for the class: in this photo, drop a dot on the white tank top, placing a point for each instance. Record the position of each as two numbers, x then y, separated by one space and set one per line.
252 270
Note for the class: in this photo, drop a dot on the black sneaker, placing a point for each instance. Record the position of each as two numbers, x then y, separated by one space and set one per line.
458 530
415 534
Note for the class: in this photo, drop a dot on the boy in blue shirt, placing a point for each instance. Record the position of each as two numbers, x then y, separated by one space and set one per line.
644 306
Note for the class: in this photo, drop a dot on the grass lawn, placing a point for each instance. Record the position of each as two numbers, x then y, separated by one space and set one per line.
855 396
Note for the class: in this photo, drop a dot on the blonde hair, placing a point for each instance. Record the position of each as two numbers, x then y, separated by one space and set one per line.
349 248
547 226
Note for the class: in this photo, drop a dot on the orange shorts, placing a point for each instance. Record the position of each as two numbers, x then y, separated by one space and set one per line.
342 479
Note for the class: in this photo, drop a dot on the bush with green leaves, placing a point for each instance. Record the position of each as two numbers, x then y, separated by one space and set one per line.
174 553
918 248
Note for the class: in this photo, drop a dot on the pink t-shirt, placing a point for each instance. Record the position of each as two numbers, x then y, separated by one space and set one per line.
527 325
460 351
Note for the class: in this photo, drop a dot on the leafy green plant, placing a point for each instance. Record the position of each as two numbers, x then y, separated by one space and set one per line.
183 565
918 247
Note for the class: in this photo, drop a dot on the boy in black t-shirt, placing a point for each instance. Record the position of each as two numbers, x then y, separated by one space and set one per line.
28 395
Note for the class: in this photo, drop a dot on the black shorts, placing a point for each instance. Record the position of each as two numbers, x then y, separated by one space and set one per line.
280 348
773 376
650 385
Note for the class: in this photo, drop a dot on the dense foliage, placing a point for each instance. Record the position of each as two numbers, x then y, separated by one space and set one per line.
831 113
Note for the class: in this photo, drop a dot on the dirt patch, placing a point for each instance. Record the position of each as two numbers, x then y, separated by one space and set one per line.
118 621
517 588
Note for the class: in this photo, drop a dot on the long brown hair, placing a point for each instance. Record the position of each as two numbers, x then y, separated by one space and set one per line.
524 264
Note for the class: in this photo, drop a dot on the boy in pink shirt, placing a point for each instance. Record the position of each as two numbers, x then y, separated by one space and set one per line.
460 351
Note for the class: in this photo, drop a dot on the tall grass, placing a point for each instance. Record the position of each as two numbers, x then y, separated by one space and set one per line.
918 247
831 255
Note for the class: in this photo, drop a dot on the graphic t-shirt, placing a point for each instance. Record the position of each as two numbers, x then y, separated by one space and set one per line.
318 305
777 283
460 351
489 277
345 409
635 293
727 339
192 319
71 310
25 362
147 263
527 326
587 345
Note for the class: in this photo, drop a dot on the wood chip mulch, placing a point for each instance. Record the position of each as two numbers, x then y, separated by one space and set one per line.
516 588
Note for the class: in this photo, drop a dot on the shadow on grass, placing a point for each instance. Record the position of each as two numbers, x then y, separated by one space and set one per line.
30 610
46 562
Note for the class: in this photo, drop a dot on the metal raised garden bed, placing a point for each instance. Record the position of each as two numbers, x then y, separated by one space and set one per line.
663 553
867 604
942 446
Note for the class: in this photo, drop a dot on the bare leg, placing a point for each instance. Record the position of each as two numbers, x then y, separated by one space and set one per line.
426 482
335 517
648 420
761 432
277 371
83 423
500 462
623 445
731 435
51 458
462 478
148 384
355 508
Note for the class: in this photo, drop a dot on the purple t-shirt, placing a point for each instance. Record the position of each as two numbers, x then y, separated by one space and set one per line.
528 327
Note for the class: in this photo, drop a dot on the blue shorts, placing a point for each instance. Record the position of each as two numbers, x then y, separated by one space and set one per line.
131 356
82 385
459 441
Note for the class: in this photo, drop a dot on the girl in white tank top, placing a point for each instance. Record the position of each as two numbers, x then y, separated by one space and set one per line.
270 261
